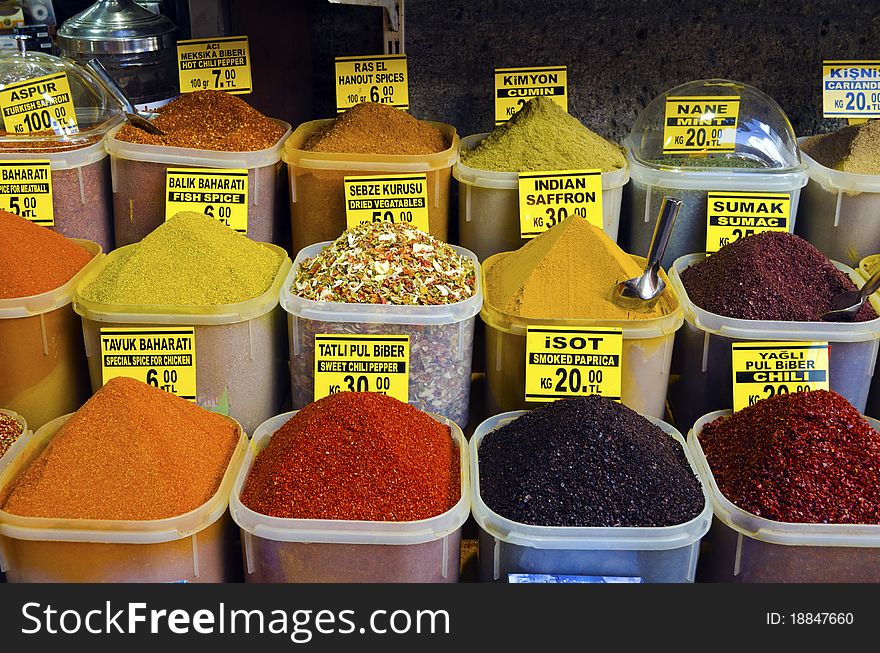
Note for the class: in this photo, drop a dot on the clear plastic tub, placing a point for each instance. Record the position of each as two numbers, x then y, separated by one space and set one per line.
317 197
665 554
441 341
281 550
488 205
764 137
43 372
241 361
703 377
138 173
744 548
198 546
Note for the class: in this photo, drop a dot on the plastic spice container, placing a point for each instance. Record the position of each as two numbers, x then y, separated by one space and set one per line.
441 341
241 362
283 550
742 547
665 554
138 173
703 376
317 196
488 205
198 546
764 138
43 370
22 438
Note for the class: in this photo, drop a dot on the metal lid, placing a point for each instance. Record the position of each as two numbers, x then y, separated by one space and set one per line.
116 27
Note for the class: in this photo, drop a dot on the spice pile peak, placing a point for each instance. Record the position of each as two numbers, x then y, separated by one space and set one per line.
855 148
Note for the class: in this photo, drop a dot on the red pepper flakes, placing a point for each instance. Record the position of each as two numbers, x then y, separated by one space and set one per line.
806 457
357 456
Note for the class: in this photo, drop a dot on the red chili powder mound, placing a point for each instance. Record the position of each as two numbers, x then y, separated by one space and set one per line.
356 455
131 452
33 259
806 457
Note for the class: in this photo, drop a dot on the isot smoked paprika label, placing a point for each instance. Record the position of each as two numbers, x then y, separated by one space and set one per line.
362 363
548 198
764 369
26 190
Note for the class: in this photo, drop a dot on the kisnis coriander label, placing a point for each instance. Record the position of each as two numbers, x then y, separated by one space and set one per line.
851 89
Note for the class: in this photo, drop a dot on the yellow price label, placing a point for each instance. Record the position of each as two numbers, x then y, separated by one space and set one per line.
764 369
572 362
26 190
402 199
164 357
221 194
362 363
732 215
39 104
548 198
381 78
516 86
219 64
851 89
700 124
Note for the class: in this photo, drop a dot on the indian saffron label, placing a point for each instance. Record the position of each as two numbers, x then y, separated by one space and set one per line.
402 199
851 89
731 216
26 190
362 363
516 86
381 78
221 194
572 362
764 369
217 64
548 198
164 357
700 124
39 104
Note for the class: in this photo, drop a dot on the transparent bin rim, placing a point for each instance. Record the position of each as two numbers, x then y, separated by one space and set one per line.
510 180
625 538
52 299
346 531
189 315
836 180
867 263
768 530
766 329
192 157
399 163
309 309
25 435
112 531
62 159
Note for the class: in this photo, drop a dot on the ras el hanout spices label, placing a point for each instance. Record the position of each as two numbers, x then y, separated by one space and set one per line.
516 86
39 104
571 362
700 124
220 194
26 190
851 89
401 199
731 216
547 198
215 64
381 78
764 369
362 363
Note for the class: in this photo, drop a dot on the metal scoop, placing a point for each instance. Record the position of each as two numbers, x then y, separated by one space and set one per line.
845 305
642 292
136 119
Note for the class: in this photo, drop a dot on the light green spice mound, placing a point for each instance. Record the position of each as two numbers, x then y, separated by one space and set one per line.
190 260
543 136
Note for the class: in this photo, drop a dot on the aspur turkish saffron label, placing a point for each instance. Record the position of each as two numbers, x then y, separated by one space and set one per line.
216 64
382 78
362 363
164 357
851 89
221 194
700 124
26 190
547 198
572 362
731 216
401 199
764 369
516 86
39 104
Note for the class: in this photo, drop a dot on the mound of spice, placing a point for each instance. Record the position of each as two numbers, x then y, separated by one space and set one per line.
33 259
855 149
189 260
372 128
543 136
769 276
10 431
131 452
805 457
208 120
587 461
357 456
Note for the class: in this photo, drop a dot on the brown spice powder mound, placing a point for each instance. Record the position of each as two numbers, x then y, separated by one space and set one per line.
853 149
372 128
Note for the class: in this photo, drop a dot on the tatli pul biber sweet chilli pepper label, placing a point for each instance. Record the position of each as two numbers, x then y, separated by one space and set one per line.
362 363
26 190
765 369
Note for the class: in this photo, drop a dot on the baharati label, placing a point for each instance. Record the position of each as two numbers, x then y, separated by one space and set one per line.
547 198
401 199
851 89
732 215
516 86
362 363
764 369
696 124
218 64
39 104
26 190
381 78
221 194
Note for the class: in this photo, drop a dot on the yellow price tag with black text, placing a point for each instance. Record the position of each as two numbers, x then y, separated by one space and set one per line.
516 86
695 124
217 64
732 215
221 194
381 78
764 369
39 104
26 190
851 89
547 198
362 363
402 199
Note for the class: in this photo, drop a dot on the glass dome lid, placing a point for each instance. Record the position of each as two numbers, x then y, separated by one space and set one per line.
715 123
